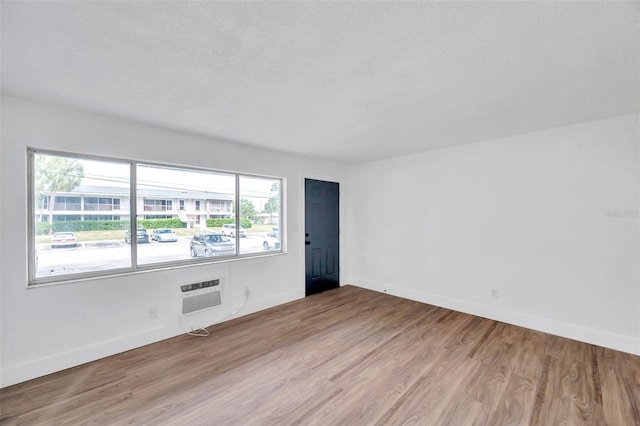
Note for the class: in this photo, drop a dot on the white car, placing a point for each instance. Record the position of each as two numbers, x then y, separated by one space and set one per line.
163 235
64 239
271 241
229 230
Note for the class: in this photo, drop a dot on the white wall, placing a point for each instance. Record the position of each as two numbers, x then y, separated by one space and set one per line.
549 219
47 329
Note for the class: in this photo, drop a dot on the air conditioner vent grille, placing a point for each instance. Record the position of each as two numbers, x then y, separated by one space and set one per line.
199 296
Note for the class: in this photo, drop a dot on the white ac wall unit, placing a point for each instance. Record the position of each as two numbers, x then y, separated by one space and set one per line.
199 296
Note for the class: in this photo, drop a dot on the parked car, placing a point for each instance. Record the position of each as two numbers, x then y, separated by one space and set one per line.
162 235
141 234
229 229
271 241
211 244
64 239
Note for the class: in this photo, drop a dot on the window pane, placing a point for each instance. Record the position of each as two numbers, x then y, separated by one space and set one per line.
72 234
173 205
260 201
81 210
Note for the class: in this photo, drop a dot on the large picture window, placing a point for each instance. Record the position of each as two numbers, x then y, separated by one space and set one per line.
166 216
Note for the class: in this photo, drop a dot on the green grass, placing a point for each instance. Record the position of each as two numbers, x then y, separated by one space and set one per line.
84 236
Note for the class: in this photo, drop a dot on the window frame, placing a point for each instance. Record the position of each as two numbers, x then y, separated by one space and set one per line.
135 267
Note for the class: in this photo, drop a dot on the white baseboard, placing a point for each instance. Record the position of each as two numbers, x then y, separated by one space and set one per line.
63 360
32 369
60 361
572 331
270 302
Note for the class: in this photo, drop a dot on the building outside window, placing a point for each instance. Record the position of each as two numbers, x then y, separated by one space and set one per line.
100 203
73 193
66 217
157 205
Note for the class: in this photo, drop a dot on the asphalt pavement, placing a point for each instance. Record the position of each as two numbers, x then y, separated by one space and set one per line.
106 255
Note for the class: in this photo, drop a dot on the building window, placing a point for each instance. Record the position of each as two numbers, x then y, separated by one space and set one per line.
66 203
220 206
70 192
65 217
99 204
157 216
157 205
105 217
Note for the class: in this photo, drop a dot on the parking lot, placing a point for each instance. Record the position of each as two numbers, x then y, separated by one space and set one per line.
103 255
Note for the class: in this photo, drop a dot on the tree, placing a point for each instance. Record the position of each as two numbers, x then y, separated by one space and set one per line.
53 175
247 209
273 204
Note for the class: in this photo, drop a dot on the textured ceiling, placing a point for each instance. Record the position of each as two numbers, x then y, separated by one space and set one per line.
347 81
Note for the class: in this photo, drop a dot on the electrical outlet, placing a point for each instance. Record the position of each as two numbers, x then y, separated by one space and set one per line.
153 312
246 293
495 294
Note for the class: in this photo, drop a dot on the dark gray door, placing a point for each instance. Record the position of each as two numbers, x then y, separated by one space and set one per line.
322 232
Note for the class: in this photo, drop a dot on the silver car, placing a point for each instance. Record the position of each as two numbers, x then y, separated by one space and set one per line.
212 244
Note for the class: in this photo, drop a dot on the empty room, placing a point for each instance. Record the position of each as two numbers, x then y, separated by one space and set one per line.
320 213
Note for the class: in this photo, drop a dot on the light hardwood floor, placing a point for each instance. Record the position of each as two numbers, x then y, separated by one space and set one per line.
348 356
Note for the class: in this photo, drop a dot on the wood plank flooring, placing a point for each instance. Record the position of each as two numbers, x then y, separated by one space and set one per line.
348 356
